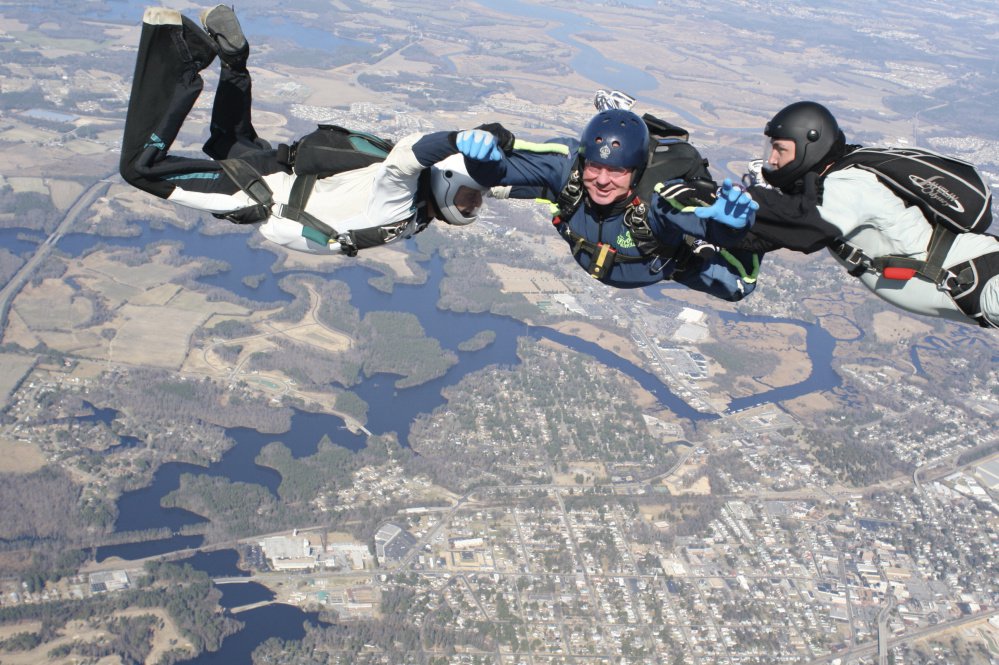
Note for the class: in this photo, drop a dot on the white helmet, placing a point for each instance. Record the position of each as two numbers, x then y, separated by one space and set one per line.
446 177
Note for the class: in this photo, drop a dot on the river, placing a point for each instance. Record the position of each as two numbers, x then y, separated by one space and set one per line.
390 409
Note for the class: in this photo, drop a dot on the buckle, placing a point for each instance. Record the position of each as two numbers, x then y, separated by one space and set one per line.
949 283
854 258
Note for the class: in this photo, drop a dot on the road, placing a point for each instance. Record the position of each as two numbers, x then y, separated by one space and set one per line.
20 278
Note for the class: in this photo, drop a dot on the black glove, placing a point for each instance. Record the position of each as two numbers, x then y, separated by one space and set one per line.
689 193
504 137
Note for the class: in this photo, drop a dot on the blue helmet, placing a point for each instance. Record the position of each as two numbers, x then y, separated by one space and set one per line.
616 137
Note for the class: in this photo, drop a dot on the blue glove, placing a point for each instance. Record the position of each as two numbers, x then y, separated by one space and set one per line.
733 207
479 145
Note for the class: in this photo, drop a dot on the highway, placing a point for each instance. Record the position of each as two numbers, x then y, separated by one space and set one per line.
20 278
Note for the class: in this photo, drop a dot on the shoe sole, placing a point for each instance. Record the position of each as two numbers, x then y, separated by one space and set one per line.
225 30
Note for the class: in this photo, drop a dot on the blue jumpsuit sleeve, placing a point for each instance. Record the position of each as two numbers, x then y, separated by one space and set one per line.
434 147
530 172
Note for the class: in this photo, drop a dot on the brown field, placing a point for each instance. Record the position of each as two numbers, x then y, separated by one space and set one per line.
134 201
153 335
809 407
523 280
20 456
590 471
52 305
700 487
794 364
398 260
890 326
617 344
841 305
65 192
13 368
153 319
652 511
839 326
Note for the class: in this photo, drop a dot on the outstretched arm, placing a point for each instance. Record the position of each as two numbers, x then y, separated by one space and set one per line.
689 208
496 159
791 221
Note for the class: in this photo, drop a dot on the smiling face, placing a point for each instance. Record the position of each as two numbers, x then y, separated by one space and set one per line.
606 184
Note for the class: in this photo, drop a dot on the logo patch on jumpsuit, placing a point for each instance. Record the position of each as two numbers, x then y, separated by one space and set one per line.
624 239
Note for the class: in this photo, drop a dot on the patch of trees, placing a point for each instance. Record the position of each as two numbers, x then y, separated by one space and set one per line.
231 329
395 343
236 509
23 99
10 263
302 479
856 463
350 404
128 638
479 341
188 596
978 453
228 353
312 367
39 505
156 396
51 267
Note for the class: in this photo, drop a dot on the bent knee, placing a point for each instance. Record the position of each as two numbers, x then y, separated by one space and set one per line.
130 174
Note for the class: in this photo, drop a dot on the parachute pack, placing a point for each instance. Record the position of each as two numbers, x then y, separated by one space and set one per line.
332 149
950 192
671 157
951 195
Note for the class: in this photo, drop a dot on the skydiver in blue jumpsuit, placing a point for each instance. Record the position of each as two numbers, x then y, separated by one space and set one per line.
602 169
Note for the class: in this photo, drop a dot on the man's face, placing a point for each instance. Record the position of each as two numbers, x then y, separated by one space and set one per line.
467 200
606 184
781 153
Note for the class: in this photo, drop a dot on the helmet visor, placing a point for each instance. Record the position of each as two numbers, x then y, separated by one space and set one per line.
467 201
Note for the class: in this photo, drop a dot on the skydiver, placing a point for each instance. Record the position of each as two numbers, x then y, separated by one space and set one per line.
617 238
246 180
811 204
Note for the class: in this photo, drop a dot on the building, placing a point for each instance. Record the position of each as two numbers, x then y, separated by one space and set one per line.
392 543
289 552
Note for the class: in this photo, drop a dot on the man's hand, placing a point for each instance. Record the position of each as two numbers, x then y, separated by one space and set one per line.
504 137
733 207
479 145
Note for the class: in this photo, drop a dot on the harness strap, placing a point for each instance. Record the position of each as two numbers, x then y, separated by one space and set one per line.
967 294
904 267
932 268
250 181
962 282
858 262
247 179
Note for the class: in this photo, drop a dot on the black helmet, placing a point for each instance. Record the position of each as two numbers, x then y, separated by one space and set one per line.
616 137
815 134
